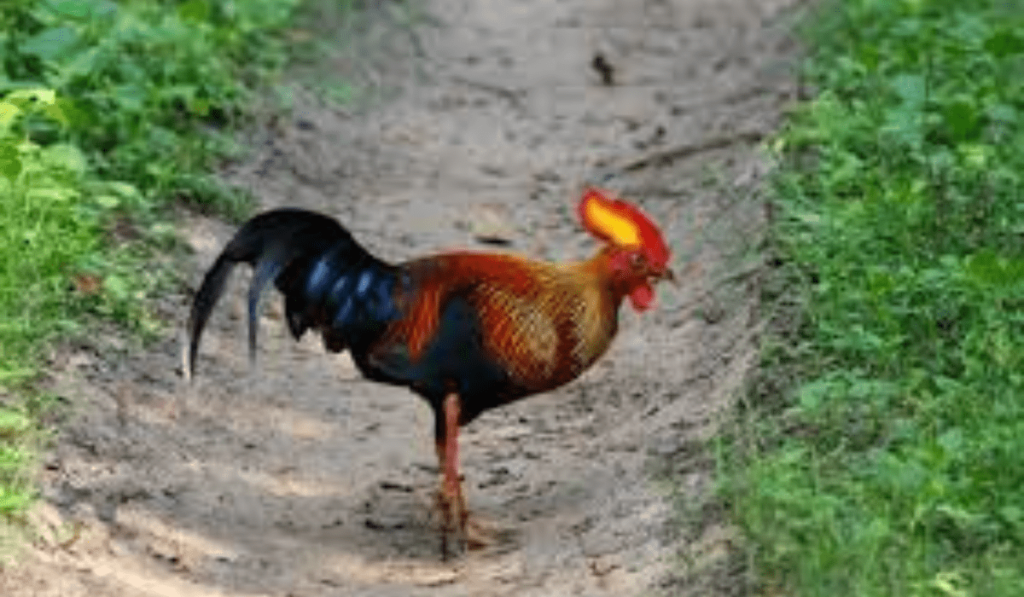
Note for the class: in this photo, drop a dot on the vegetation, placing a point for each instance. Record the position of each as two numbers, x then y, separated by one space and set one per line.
881 451
108 111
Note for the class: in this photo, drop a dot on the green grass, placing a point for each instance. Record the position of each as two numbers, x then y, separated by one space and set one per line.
138 79
109 113
880 453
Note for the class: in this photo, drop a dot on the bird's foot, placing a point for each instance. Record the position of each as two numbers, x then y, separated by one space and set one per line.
451 522
478 535
459 531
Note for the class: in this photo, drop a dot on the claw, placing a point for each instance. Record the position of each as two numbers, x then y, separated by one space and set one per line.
477 535
449 515
457 527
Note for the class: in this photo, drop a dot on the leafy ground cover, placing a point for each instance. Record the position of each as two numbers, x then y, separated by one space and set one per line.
109 111
879 453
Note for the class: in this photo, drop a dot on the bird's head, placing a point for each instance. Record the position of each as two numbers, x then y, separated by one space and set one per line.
637 252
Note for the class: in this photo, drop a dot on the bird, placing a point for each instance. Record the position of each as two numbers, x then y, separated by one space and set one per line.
467 331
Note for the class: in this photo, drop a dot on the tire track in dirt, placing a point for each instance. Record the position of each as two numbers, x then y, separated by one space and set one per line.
301 479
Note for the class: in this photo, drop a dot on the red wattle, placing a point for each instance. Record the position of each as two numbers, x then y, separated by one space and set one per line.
642 296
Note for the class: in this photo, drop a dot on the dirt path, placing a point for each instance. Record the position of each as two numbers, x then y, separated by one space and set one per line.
301 479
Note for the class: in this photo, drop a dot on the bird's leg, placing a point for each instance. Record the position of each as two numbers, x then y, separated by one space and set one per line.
450 500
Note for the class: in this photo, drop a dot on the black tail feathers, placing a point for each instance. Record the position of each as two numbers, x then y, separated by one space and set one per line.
328 279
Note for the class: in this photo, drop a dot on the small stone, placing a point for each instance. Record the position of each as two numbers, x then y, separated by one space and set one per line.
490 224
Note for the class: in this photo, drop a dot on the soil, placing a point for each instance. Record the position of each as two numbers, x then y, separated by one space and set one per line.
297 477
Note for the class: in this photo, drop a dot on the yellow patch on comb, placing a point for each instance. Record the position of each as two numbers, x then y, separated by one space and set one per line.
619 229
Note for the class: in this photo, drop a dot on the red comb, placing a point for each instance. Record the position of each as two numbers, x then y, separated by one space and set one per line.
616 221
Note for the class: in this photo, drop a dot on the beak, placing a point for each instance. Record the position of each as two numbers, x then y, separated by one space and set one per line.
669 276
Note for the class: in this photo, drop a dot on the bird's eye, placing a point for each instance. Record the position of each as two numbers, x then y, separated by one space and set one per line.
637 260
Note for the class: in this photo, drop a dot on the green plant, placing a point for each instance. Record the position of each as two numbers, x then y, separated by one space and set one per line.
42 236
891 465
149 87
108 112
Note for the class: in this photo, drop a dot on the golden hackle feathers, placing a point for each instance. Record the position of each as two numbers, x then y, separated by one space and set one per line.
544 322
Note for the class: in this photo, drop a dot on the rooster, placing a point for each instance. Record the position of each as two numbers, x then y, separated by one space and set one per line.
466 331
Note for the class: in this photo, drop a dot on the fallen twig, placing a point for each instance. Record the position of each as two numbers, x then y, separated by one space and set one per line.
513 96
678 152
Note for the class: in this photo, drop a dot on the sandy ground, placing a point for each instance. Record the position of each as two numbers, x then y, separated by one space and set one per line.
300 479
